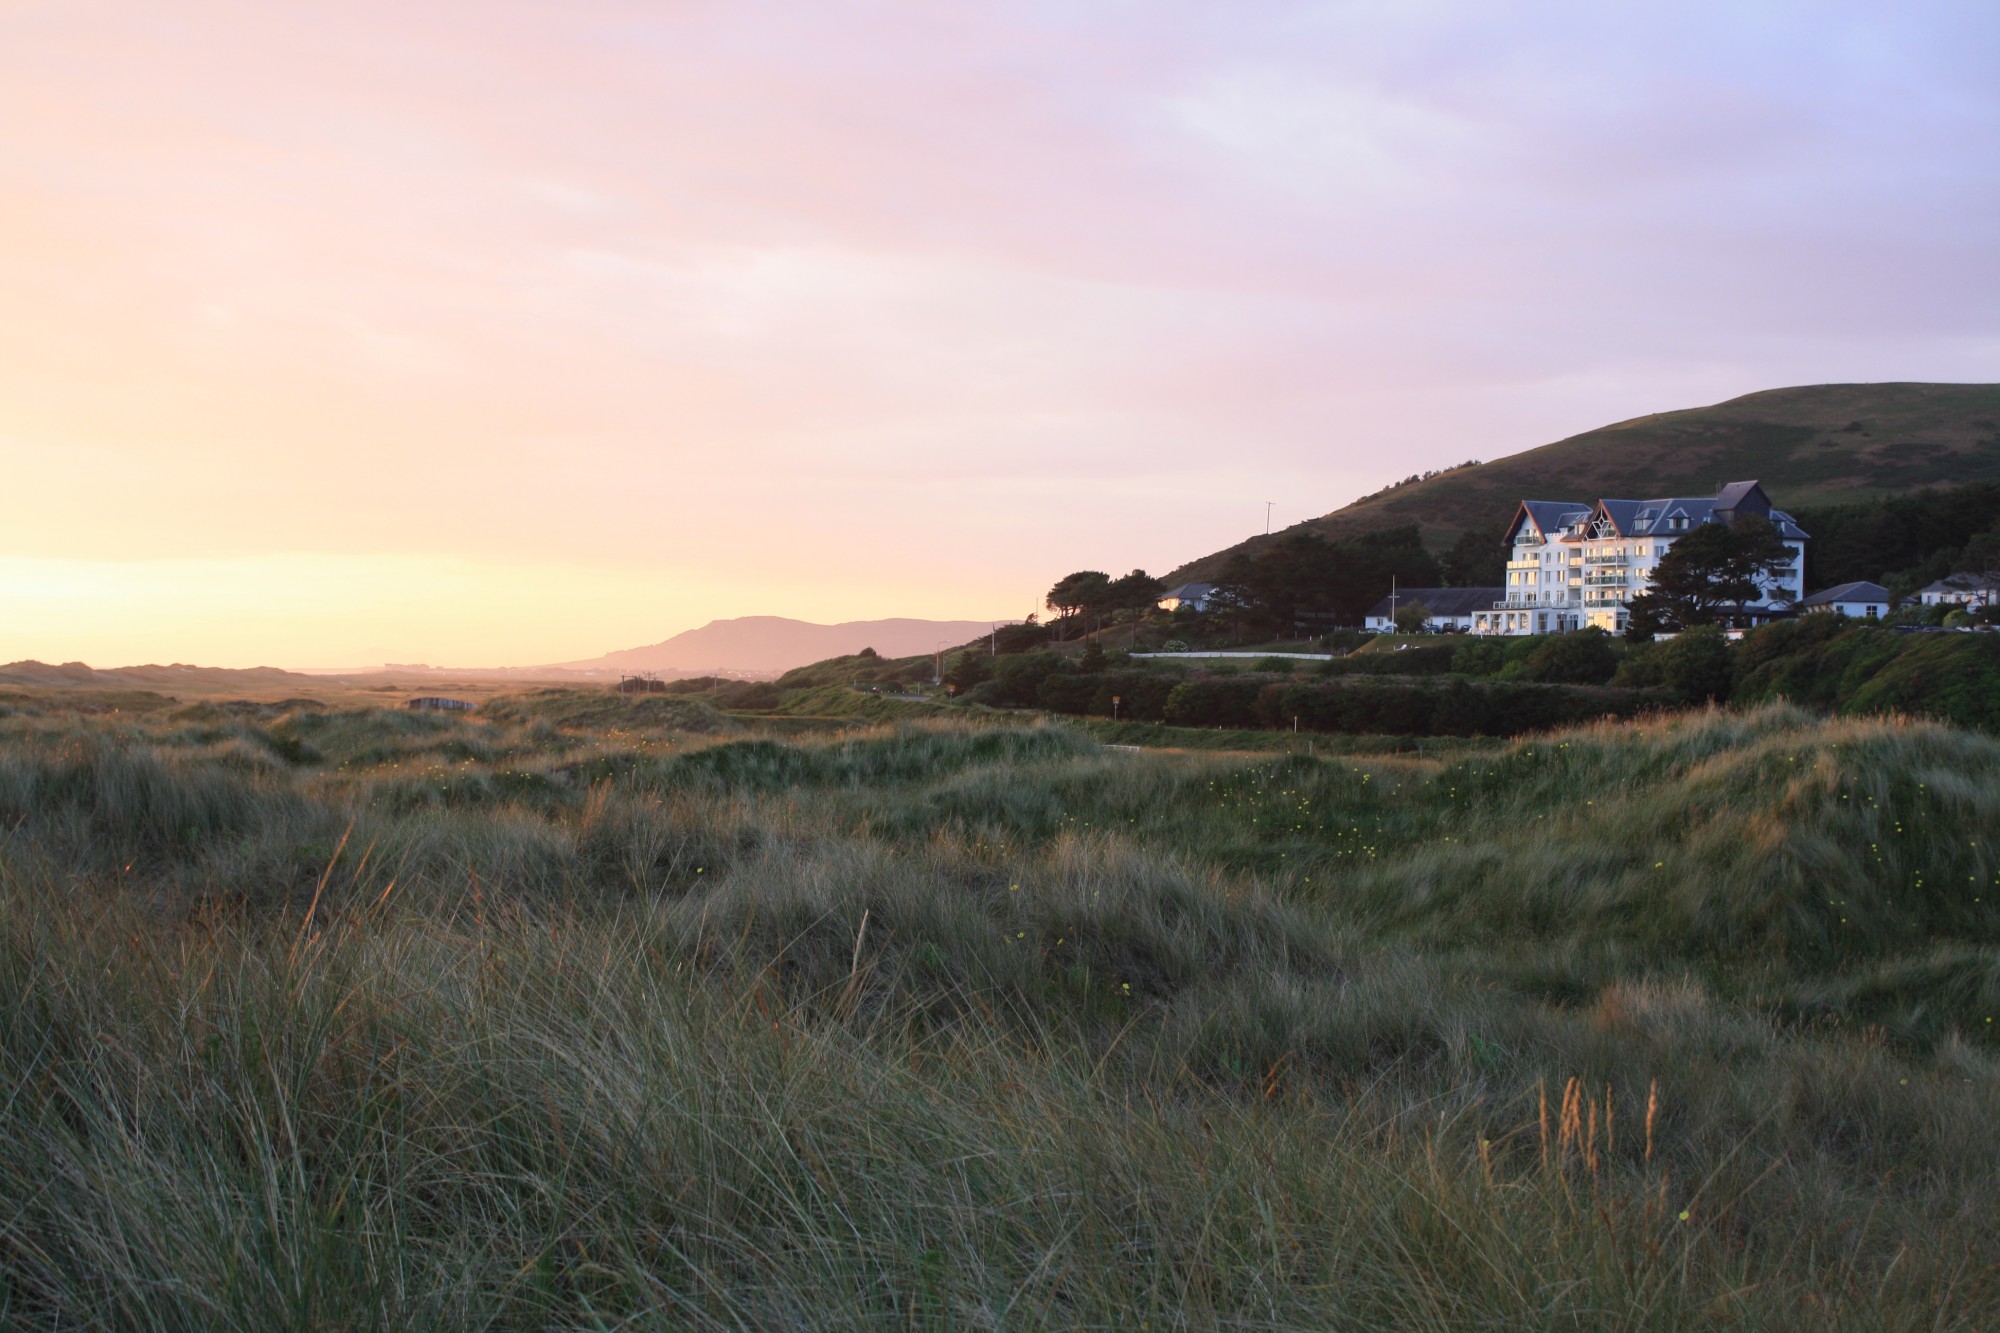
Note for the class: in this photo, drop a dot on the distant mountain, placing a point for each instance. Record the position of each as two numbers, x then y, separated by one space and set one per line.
1814 445
770 644
177 675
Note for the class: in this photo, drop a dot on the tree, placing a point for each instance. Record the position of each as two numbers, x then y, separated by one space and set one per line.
1270 588
1645 616
1134 591
1411 616
1093 656
1717 565
1478 559
972 667
1982 557
1301 575
1087 588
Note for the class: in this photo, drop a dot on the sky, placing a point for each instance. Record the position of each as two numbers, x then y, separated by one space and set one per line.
517 331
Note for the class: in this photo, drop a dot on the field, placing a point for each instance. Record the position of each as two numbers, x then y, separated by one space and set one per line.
589 1012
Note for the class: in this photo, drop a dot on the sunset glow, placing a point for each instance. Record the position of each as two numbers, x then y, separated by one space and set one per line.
506 333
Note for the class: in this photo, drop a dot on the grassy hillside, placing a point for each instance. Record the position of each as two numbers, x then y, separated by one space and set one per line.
1812 445
364 1019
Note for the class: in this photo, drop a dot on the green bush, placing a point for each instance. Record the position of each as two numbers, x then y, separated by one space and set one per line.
1581 657
1017 678
1478 657
1697 665
1641 668
1213 701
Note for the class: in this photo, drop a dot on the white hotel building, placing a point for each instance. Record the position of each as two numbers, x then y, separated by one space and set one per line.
1573 565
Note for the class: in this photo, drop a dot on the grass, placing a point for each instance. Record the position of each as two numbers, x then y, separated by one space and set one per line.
358 1018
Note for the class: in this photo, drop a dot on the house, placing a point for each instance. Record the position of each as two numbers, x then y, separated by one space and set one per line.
1863 601
1187 597
1573 566
1444 608
1539 597
442 704
1961 590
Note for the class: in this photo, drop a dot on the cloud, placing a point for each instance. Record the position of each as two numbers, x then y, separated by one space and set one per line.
884 297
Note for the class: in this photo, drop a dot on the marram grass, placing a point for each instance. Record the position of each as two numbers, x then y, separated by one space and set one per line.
343 1021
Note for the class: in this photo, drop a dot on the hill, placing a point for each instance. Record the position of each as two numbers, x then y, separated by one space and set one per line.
1812 445
178 675
770 644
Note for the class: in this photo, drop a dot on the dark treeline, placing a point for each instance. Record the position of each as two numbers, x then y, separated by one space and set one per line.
1303 578
1492 687
1356 696
1298 581
1902 542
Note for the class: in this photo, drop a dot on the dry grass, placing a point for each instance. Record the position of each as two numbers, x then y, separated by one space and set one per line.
365 1020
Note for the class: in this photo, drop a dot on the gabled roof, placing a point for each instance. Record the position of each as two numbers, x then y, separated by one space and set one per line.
1788 527
1441 601
1641 518
1742 497
1849 592
1964 583
1550 517
1188 592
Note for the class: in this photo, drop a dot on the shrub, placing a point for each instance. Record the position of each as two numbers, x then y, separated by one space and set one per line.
1697 666
1067 691
1018 678
1142 695
749 695
1478 657
970 668
1428 659
1211 701
1641 668
1582 657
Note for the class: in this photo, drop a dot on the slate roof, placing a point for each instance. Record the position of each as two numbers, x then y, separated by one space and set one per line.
1638 518
1189 592
1963 583
1442 601
1849 592
1742 497
1550 516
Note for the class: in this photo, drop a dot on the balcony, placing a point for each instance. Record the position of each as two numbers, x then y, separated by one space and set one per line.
1604 558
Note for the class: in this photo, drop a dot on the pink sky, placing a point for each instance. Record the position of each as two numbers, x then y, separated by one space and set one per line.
515 332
